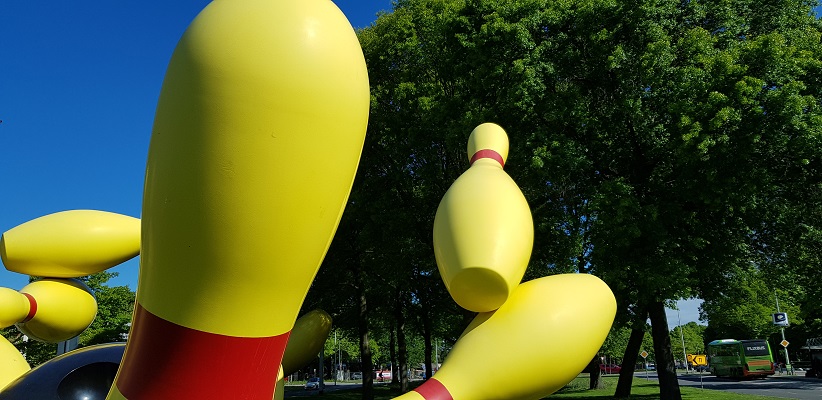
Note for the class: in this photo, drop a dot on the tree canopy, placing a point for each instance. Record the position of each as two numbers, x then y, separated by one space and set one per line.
661 145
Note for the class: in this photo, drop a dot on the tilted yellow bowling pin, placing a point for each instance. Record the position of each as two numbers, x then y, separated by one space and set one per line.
14 307
307 339
255 145
70 244
12 363
50 310
546 333
483 231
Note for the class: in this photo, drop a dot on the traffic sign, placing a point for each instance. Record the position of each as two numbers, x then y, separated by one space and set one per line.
644 354
784 343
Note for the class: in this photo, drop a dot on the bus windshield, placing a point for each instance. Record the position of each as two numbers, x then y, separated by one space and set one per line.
756 348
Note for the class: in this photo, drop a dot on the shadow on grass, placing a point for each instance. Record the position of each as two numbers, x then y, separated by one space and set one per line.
641 389
381 392
578 389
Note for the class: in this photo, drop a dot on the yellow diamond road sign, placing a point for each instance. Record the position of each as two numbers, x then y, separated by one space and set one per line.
644 354
784 343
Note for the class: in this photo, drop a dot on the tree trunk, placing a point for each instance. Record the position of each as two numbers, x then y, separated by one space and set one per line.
365 349
392 354
595 373
668 383
626 374
426 337
402 347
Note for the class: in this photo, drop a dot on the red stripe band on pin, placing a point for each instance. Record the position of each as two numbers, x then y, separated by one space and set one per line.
487 153
433 389
164 360
32 308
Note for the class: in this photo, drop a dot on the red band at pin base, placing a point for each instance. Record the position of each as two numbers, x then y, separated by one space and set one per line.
164 360
487 153
433 389
32 308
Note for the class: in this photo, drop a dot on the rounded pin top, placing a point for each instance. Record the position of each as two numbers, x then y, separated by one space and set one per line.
488 140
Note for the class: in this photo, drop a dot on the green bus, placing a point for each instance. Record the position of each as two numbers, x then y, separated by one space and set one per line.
740 358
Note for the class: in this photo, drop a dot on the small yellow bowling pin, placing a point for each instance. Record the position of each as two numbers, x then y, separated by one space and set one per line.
70 244
14 307
306 341
483 231
55 309
12 364
556 318
255 145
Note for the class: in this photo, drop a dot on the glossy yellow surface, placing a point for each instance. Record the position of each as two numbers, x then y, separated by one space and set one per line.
546 333
12 363
65 308
14 307
483 231
256 140
488 136
70 244
306 341
412 395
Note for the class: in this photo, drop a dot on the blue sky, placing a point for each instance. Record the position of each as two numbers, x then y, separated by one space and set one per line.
79 83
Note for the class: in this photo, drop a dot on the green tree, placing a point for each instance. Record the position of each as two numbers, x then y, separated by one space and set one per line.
693 336
658 143
115 306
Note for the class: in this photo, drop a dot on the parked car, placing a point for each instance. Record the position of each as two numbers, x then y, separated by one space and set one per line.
610 368
312 384
357 376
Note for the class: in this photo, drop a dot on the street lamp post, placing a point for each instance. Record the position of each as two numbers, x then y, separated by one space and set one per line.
682 336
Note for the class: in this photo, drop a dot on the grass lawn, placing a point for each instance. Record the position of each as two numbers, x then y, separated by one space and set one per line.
643 390
381 392
577 389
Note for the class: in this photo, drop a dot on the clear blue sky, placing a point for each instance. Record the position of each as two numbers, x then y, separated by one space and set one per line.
79 82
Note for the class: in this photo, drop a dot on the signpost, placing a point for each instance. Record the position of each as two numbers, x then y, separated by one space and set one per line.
644 355
780 319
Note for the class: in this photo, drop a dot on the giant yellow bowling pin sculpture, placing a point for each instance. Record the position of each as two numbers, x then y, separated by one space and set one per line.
50 310
483 231
256 140
70 244
546 333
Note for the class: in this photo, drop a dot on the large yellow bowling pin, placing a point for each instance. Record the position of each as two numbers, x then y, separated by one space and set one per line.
256 140
49 310
70 244
483 231
547 332
12 364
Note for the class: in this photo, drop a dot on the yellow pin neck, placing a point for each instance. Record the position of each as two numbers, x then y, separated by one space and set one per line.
488 140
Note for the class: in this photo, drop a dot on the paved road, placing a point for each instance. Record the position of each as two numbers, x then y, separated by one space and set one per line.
784 386
329 387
